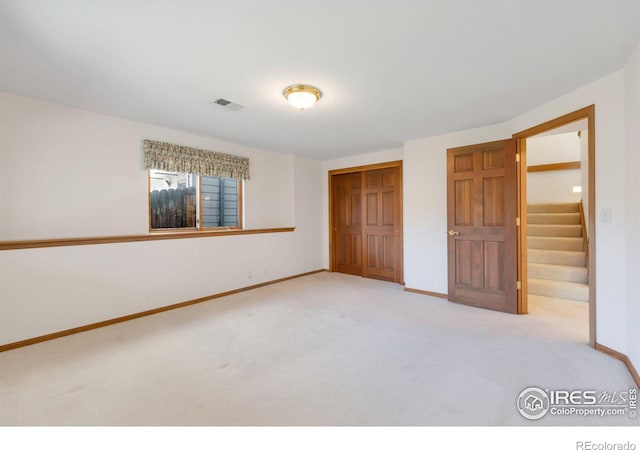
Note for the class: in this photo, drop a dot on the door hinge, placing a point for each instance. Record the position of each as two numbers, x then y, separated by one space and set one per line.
518 285
517 221
517 157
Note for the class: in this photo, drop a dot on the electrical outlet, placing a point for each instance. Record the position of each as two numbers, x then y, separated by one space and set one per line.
605 215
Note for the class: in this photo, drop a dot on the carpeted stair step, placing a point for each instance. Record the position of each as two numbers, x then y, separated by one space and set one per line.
555 230
553 208
557 219
555 243
557 272
559 289
556 257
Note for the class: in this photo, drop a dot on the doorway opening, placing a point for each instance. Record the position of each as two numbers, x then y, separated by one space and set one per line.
556 206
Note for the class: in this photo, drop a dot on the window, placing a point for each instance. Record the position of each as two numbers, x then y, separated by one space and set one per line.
186 201
193 189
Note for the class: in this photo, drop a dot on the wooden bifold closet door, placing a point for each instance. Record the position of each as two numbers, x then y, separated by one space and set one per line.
366 221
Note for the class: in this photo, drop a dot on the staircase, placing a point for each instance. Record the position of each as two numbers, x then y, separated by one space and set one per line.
556 258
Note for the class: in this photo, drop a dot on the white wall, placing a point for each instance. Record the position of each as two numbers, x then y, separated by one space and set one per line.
632 86
555 148
308 212
554 186
52 289
395 154
59 162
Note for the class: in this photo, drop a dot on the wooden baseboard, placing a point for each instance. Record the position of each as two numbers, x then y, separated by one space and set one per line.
621 357
93 326
429 293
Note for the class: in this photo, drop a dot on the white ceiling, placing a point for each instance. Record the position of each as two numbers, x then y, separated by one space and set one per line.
389 70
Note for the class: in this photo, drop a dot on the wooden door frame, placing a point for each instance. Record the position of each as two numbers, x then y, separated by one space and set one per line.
584 113
400 215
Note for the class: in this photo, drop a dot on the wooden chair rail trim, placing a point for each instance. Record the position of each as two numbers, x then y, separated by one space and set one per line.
621 357
556 166
155 236
104 323
429 293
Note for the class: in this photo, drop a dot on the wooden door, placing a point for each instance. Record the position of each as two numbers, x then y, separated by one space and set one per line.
381 218
347 227
366 221
481 220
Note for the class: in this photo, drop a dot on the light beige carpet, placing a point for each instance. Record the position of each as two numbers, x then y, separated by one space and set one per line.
326 349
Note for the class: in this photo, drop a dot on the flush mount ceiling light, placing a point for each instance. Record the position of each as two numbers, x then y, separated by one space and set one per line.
301 96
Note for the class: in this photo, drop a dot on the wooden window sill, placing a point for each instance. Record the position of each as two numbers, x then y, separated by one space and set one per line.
152 236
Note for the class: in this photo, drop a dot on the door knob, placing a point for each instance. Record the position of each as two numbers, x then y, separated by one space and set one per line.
453 233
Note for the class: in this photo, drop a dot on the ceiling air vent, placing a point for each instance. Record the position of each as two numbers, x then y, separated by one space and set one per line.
228 105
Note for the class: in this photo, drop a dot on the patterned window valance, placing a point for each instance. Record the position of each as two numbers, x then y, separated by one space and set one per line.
177 158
